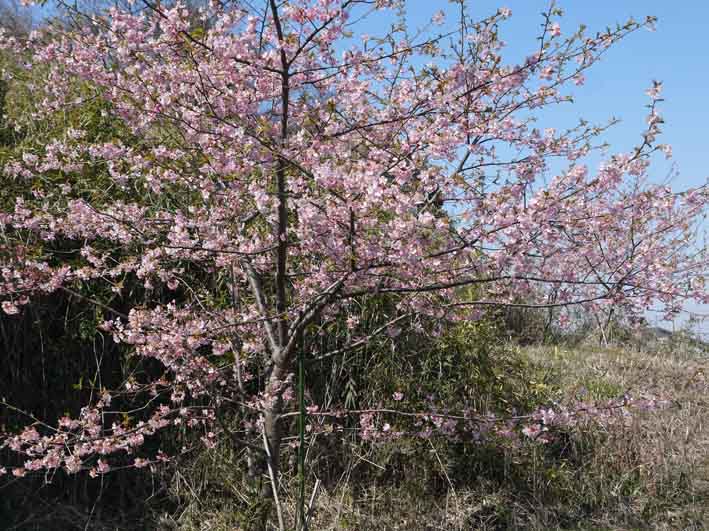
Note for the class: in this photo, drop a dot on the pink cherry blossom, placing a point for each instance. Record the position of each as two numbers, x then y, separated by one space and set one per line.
655 90
532 431
438 18
285 178
10 308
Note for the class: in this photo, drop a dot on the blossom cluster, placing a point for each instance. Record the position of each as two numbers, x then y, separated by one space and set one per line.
270 170
542 425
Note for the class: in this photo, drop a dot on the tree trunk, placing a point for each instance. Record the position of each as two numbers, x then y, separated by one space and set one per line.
272 427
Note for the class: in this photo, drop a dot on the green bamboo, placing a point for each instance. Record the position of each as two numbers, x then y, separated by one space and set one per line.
301 446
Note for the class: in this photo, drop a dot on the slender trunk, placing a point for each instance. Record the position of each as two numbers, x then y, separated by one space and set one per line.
272 428
271 424
602 339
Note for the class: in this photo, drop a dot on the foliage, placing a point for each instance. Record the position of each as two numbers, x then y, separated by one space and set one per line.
648 475
273 232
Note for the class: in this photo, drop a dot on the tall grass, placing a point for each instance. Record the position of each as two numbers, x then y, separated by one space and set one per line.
651 472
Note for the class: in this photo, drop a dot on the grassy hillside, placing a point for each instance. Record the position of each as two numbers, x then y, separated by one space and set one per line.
649 472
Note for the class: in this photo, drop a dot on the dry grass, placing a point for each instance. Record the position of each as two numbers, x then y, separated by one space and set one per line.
650 474
668 450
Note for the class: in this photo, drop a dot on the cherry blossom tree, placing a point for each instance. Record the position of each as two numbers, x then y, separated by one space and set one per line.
14 19
274 167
